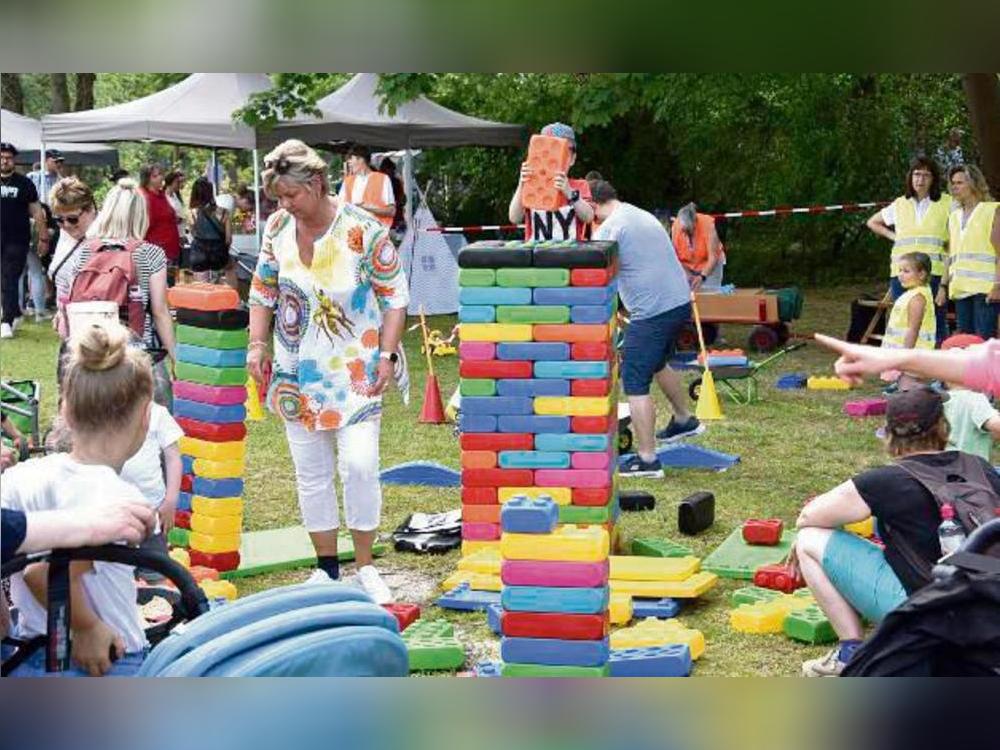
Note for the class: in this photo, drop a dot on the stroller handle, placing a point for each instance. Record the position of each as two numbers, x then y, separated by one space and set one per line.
983 538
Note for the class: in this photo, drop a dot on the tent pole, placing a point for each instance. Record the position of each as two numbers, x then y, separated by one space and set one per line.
408 184
256 196
215 171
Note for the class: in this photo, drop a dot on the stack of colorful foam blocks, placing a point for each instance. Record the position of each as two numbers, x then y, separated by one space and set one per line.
209 405
538 377
554 619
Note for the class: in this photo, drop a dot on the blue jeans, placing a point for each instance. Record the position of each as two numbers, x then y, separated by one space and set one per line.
976 315
858 570
34 666
648 344
940 313
37 282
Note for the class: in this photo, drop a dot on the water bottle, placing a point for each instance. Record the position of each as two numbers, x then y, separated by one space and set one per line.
950 532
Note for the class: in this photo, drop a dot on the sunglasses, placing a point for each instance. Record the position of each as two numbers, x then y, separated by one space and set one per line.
69 220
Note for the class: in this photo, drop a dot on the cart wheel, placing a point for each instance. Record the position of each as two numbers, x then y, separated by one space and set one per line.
687 338
763 339
710 331
625 440
694 390
784 333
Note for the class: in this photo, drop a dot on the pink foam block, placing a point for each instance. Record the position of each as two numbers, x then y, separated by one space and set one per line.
477 350
590 460
482 532
865 407
538 573
218 395
572 478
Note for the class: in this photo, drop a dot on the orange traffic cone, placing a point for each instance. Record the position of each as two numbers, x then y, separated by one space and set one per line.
432 412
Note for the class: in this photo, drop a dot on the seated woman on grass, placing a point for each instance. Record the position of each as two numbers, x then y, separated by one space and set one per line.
849 576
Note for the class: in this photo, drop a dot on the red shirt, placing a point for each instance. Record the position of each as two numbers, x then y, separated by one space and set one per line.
162 224
561 224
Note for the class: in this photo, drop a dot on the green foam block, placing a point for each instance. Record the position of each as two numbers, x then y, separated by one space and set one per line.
288 548
809 625
649 547
734 558
432 646
582 514
533 313
752 595
178 537
213 338
543 670
533 277
478 387
476 277
210 375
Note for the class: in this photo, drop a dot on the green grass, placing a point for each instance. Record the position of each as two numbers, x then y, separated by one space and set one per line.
792 444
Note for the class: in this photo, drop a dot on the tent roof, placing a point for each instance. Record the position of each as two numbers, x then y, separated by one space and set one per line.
26 135
351 113
196 111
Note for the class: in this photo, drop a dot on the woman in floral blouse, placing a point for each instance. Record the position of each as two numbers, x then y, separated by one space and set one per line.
332 281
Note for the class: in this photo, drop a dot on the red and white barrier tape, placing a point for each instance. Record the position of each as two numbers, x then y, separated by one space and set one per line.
782 211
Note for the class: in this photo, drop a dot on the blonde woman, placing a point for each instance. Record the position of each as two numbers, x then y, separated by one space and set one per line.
974 246
74 210
332 281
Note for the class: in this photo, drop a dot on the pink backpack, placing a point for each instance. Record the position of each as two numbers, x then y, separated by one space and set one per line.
110 275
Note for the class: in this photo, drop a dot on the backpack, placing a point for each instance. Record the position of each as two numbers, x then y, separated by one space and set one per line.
110 275
208 251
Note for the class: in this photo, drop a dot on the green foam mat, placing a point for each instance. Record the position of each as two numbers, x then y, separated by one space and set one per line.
213 338
734 558
273 550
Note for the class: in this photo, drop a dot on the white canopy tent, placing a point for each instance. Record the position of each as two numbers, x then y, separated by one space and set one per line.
25 133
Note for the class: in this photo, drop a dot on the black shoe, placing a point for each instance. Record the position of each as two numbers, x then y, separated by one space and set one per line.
636 467
677 430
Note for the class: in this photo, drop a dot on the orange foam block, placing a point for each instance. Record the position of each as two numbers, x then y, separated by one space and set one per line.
571 332
201 296
547 157
479 459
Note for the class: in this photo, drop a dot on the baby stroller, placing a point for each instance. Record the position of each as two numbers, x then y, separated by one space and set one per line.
20 402
949 628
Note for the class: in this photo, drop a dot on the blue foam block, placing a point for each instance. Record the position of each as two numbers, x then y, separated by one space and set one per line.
493 614
523 515
591 313
209 412
497 405
685 456
533 460
494 295
183 500
533 424
477 423
533 350
488 669
582 601
426 473
217 487
477 314
571 442
555 652
791 381
187 464
574 370
464 598
673 660
573 295
203 355
715 360
532 387
663 609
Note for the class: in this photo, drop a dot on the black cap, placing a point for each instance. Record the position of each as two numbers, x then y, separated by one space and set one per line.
8 148
915 411
54 153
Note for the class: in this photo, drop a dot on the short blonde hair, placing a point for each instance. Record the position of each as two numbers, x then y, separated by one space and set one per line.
296 162
123 214
71 194
977 182
106 380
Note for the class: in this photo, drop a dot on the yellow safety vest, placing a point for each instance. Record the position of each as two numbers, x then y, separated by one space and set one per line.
927 235
973 268
899 321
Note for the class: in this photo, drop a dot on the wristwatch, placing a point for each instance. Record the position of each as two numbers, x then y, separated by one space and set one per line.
391 356
574 196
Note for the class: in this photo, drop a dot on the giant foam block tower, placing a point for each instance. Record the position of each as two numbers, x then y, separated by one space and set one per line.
209 398
538 380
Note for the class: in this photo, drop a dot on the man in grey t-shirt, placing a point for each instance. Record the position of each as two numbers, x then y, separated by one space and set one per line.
654 289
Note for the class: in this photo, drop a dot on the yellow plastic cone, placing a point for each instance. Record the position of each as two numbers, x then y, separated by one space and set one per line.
255 412
708 400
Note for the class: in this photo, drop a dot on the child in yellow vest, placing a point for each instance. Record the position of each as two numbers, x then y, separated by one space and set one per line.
911 322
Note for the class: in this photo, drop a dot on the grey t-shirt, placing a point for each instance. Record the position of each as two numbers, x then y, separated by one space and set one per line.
651 280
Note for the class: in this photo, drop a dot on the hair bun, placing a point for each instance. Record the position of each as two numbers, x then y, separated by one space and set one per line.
101 346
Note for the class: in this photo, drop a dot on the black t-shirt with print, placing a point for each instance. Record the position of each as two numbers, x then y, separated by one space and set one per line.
17 192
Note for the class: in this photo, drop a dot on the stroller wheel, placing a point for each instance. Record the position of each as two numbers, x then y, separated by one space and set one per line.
694 390
624 440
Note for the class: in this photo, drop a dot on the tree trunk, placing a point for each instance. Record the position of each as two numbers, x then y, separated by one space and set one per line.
11 95
84 95
60 93
982 92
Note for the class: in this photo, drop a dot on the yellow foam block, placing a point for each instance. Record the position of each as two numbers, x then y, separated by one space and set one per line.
652 632
229 451
215 589
571 543
485 561
833 383
495 331
560 495
573 406
863 528
216 525
213 542
180 556
620 609
217 506
218 469
760 617
689 588
653 568
471 546
476 581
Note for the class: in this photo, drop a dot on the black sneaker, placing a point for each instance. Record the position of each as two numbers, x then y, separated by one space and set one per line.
678 430
636 467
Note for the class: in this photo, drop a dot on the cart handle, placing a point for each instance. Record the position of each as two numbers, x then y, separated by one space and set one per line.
781 353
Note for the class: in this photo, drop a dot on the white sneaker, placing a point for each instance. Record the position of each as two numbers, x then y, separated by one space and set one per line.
319 576
373 584
17 322
6 332
44 315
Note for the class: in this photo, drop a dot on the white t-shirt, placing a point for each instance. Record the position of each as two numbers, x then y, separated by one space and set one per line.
358 191
889 212
144 469
54 482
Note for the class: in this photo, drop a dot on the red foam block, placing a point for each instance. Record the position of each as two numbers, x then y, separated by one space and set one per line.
591 425
497 441
217 560
570 627
590 350
590 277
187 483
778 577
217 433
405 614
764 531
494 368
479 496
600 387
182 518
498 478
591 496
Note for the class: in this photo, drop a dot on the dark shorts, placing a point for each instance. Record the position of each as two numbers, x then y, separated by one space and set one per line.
649 343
